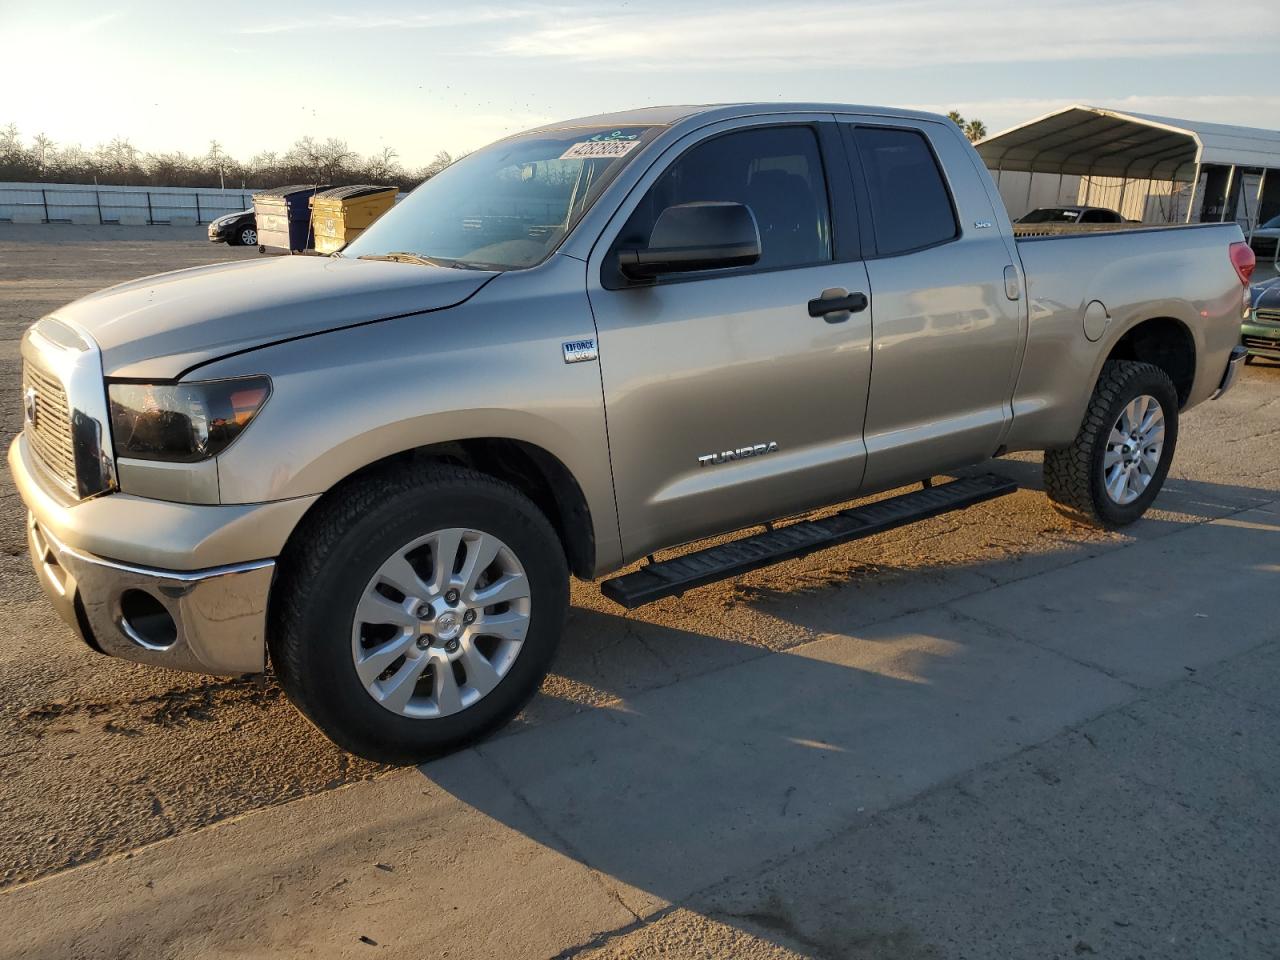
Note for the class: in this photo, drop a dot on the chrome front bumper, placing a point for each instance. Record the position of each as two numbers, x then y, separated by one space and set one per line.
1234 364
207 621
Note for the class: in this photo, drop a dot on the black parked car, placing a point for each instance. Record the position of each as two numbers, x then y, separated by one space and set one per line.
237 229
1071 215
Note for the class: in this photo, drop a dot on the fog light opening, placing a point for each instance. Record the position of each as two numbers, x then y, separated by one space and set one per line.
146 622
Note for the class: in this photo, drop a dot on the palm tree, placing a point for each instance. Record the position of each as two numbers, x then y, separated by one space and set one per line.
954 117
975 130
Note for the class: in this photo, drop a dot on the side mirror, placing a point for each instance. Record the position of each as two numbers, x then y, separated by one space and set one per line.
711 235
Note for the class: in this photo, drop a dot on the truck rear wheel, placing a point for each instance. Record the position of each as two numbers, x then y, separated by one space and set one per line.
416 613
1115 467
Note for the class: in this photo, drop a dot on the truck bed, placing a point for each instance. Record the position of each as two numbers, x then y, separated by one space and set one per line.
1181 273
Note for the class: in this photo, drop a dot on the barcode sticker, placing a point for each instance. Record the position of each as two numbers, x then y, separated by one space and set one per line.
590 149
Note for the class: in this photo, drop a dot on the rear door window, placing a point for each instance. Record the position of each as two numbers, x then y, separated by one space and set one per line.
911 206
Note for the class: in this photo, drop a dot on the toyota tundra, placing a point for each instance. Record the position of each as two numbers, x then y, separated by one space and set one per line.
571 350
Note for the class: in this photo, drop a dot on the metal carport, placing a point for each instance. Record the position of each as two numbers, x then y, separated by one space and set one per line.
1093 142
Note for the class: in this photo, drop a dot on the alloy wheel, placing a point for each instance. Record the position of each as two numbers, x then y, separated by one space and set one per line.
1133 449
440 623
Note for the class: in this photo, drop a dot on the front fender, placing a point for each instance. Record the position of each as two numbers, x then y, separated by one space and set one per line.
347 399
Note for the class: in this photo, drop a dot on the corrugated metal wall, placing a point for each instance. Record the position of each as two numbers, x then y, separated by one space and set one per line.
1150 201
81 203
1047 190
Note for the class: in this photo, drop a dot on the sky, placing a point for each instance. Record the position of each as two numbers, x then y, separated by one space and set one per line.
428 76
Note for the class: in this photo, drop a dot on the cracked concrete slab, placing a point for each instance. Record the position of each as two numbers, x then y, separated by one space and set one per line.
1150 612
1133 835
400 863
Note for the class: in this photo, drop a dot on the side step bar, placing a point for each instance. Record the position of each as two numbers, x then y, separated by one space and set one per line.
670 577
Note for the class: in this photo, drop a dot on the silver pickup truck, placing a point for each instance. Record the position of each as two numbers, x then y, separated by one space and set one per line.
571 349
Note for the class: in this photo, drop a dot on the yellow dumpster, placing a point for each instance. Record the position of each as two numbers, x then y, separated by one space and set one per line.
340 215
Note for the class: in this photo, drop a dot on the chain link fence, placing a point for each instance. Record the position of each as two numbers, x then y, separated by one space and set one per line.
88 204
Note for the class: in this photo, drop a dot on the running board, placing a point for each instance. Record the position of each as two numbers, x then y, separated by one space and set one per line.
667 578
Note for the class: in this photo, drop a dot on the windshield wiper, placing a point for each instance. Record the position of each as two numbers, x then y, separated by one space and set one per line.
403 256
474 265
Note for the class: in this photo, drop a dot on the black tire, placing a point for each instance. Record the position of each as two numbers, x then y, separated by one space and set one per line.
323 573
246 236
1073 475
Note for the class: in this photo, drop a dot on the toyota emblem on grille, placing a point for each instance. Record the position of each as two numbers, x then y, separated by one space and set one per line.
29 405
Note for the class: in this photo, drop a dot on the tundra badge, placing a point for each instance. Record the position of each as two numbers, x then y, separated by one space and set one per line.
755 450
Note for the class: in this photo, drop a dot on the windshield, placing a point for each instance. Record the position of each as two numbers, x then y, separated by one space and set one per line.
506 206
1051 215
1272 224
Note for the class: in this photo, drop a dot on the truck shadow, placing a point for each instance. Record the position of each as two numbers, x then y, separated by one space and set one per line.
762 753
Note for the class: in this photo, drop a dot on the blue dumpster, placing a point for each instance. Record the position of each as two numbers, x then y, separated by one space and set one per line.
284 217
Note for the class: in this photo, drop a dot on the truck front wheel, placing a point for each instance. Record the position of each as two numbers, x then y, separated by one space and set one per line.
414 613
1115 467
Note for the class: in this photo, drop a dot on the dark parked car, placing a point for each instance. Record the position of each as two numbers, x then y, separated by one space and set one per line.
1071 215
237 229
1260 332
1266 237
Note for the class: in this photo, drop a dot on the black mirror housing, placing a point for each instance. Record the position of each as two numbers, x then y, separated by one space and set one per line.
709 235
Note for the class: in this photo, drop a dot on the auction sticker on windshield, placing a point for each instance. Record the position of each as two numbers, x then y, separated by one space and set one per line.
589 149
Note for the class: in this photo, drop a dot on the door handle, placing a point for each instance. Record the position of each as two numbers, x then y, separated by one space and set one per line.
837 301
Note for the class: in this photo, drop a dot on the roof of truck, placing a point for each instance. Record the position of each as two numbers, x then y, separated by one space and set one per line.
672 114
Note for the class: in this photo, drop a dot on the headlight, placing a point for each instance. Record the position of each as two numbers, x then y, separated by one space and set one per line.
183 422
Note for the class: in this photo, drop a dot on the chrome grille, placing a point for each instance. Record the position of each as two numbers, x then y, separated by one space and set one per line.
1268 314
1260 343
49 431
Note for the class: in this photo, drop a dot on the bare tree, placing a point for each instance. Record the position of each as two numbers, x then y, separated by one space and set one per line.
438 163
309 160
42 149
217 161
383 166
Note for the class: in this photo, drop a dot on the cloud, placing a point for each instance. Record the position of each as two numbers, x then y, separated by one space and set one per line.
462 17
94 24
817 33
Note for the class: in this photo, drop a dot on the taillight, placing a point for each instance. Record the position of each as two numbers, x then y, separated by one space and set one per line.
1243 260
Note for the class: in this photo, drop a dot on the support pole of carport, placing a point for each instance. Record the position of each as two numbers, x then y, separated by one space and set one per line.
1257 208
1226 194
1195 186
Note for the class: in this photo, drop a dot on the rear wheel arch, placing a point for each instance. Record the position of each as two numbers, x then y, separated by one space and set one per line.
1163 342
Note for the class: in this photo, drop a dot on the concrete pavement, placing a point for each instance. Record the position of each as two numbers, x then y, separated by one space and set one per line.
1062 764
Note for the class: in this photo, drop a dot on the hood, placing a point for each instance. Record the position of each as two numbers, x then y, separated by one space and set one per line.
1266 294
159 327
